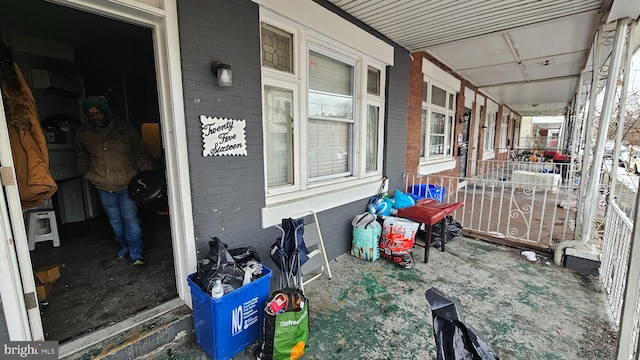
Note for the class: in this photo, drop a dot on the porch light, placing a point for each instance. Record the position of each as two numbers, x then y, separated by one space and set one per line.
222 72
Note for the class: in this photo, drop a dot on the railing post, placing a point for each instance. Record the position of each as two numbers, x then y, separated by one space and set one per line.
628 338
587 131
591 202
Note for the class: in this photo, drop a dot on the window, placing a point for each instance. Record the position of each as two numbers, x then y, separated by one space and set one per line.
503 132
278 119
317 133
490 131
277 48
437 124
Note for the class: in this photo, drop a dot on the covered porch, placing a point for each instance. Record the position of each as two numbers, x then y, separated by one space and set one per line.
377 310
570 59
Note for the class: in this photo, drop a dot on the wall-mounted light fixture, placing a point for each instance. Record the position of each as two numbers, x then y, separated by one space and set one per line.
222 72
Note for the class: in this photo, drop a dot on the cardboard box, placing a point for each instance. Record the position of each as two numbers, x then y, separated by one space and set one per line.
48 274
45 277
43 290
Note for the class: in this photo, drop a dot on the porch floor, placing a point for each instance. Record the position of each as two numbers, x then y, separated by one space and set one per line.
377 310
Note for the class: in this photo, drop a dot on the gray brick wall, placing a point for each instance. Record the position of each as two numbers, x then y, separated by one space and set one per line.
228 192
397 94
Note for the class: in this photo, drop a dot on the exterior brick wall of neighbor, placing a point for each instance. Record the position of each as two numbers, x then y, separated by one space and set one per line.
228 192
414 114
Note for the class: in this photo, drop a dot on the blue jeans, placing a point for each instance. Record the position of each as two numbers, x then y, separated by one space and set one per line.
123 217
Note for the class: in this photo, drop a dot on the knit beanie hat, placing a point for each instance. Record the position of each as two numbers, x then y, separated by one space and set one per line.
98 102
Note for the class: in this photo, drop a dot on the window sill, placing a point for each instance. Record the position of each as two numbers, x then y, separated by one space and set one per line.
487 155
433 167
318 199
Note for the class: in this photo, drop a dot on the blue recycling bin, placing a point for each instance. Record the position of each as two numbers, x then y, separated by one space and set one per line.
227 325
429 191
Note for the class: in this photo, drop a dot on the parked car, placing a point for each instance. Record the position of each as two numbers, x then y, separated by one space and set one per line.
623 158
634 162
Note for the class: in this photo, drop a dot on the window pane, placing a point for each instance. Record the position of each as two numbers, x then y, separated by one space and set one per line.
423 131
373 81
277 48
330 87
451 102
437 135
278 107
438 96
373 113
437 123
329 148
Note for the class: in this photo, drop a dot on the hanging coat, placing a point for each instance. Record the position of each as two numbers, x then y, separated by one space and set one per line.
30 153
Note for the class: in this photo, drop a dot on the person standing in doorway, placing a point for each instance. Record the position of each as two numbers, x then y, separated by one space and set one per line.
110 153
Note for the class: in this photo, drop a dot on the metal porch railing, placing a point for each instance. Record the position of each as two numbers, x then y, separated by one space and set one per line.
516 203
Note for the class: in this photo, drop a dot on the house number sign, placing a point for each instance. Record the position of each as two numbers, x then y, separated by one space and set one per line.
223 137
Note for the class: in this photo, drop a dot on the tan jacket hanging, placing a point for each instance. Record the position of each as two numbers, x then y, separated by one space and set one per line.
30 154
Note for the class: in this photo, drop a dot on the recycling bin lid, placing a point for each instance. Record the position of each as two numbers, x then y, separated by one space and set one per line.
146 186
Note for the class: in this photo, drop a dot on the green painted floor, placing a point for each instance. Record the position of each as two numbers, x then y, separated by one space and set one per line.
377 310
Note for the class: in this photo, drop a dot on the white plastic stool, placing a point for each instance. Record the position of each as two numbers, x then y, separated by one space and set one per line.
42 226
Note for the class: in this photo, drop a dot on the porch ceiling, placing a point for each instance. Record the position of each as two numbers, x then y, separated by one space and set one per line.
526 54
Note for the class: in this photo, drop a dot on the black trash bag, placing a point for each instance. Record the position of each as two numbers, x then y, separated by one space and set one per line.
218 264
452 229
243 255
455 338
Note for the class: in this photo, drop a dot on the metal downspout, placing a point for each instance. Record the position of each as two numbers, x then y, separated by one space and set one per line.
590 202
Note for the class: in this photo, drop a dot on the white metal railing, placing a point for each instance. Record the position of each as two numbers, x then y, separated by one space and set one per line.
615 257
614 270
528 204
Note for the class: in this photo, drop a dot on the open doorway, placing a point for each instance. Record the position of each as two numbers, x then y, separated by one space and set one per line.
91 55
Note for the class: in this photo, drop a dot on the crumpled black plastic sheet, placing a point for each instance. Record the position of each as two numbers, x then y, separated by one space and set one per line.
452 229
219 264
455 338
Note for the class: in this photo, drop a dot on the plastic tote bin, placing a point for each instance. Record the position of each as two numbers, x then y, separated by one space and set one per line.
429 191
227 325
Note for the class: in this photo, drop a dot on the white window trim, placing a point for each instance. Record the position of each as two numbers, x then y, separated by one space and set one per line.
356 122
492 113
449 130
489 152
436 167
295 87
503 134
363 136
325 195
315 17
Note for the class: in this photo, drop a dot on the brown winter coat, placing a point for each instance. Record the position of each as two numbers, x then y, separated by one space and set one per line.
30 153
110 163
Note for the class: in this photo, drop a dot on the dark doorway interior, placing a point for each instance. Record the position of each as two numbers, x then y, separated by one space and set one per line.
95 289
103 57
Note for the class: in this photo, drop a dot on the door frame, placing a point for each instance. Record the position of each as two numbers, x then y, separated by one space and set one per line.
17 286
164 26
